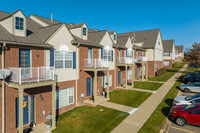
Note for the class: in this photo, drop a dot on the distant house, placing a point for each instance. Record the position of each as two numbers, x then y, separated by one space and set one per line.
179 54
169 53
151 41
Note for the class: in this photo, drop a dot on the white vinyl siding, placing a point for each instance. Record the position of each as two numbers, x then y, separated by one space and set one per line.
104 81
166 63
129 74
64 97
63 59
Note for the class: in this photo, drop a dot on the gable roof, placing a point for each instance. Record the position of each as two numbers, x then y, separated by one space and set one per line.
168 45
72 26
148 37
179 48
111 32
121 41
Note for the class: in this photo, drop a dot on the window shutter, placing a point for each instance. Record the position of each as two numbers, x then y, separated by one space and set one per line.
52 57
169 53
112 55
126 53
101 53
74 60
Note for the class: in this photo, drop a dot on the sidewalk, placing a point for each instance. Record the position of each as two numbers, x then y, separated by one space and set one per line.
134 122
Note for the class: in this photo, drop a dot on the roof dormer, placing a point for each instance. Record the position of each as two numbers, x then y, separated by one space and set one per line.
113 36
15 23
79 30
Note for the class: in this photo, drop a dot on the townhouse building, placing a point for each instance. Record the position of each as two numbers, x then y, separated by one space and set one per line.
179 54
169 53
151 41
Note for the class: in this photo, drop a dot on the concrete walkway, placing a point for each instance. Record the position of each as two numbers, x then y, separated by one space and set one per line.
119 107
134 122
151 81
143 90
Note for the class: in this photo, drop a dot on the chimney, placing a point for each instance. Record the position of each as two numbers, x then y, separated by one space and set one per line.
51 17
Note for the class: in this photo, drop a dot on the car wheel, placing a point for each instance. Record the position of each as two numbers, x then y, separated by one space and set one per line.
180 121
186 90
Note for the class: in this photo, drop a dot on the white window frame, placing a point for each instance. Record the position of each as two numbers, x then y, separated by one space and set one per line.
166 63
129 53
20 25
156 67
107 54
166 54
63 59
115 37
84 32
105 81
59 99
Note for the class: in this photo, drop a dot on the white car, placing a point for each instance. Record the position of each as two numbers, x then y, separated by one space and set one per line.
180 100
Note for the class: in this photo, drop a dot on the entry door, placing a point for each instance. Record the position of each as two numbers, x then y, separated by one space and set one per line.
27 105
25 111
90 57
89 86
119 77
24 62
136 71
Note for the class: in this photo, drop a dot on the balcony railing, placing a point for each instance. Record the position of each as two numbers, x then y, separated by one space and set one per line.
95 63
31 74
140 59
125 60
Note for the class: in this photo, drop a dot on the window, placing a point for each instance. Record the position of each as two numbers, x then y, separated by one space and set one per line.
63 59
142 53
115 37
84 31
64 97
129 74
104 81
19 23
129 53
197 111
158 41
107 54
166 63
156 67
166 54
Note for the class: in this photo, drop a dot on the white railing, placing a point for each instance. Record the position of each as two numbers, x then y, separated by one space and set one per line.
125 60
140 59
95 63
31 74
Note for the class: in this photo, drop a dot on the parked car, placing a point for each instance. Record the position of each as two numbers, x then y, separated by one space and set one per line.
185 114
188 80
192 75
193 87
185 100
198 72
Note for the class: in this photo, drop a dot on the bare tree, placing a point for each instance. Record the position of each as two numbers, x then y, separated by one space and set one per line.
193 56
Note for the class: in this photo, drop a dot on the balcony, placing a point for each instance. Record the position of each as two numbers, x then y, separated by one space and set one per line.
140 59
125 60
95 63
31 74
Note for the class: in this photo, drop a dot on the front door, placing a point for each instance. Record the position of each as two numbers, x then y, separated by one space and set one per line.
119 77
27 105
89 86
136 71
24 62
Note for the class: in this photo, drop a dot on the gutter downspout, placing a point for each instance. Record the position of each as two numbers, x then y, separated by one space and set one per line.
77 71
3 89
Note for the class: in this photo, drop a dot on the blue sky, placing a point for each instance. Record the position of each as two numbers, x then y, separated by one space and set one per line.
177 19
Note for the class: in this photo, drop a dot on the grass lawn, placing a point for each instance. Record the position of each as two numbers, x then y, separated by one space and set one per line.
147 85
128 97
86 119
169 73
154 123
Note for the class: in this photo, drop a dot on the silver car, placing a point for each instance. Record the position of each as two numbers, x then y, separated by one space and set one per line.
185 100
193 87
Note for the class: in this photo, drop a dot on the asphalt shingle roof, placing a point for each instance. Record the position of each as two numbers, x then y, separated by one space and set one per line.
121 41
168 45
148 37
47 20
179 48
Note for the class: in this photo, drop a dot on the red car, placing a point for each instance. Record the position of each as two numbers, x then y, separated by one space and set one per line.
186 114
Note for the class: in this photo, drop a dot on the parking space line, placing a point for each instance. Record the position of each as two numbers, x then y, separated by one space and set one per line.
182 129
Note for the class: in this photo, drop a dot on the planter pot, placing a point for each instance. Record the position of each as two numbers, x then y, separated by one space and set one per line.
48 126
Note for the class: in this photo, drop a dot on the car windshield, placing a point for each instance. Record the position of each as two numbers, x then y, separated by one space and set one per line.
191 97
189 107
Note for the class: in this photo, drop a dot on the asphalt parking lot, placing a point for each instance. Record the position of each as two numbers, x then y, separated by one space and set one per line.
184 129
